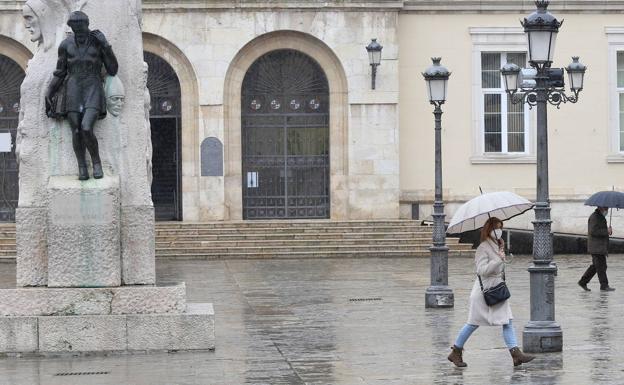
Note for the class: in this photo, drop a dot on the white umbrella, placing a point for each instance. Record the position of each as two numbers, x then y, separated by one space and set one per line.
473 214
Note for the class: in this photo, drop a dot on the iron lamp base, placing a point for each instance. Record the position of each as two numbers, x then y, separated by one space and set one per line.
439 297
542 337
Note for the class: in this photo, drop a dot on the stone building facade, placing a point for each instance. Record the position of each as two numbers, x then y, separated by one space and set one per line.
264 109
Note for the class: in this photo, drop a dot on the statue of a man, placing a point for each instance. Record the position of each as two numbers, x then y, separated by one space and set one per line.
76 91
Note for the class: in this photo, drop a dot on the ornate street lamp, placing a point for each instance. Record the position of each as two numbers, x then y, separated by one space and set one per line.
374 58
542 333
541 28
511 77
576 73
439 294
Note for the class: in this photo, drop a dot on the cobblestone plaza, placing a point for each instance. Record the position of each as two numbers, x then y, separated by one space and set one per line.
354 321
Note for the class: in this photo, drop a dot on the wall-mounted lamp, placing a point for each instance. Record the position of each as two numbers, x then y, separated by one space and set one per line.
374 57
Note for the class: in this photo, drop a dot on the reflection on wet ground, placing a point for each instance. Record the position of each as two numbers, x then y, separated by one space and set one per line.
354 322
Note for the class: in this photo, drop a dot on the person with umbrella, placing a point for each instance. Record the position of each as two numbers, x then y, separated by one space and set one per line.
598 233
490 262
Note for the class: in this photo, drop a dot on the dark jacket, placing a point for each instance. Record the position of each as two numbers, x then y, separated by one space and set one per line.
78 71
597 234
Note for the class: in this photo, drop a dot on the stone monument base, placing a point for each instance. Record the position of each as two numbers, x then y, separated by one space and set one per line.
84 232
119 319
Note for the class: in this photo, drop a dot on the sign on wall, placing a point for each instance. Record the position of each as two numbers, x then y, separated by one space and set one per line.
211 157
5 142
252 179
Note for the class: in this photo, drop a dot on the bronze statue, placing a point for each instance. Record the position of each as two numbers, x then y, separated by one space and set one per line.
76 91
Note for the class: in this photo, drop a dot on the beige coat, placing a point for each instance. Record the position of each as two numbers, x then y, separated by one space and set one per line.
489 266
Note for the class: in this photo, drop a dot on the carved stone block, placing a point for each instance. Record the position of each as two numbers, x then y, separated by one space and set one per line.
83 232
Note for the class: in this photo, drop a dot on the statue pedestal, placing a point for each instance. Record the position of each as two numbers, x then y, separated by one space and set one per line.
85 249
84 308
84 232
107 319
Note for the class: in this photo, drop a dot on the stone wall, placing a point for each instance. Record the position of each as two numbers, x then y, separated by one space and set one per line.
218 47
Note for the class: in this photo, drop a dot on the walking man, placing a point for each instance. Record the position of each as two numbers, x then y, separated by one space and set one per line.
597 245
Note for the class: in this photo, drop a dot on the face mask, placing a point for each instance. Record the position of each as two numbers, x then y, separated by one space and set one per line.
496 234
604 212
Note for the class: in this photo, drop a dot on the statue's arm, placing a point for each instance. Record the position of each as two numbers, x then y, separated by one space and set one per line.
107 54
60 72
110 61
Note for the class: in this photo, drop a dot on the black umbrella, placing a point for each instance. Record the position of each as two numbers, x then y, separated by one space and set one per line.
611 199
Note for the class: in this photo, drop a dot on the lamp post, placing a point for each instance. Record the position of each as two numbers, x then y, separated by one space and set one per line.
374 58
542 333
439 294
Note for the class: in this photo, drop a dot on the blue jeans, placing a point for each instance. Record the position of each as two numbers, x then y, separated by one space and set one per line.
508 334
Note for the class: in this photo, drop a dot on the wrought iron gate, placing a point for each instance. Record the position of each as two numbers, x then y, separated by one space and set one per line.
11 77
165 117
285 138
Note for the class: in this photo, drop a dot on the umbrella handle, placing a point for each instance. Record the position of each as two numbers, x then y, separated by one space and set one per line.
611 211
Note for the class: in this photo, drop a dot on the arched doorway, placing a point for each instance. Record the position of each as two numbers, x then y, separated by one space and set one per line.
285 138
11 77
165 121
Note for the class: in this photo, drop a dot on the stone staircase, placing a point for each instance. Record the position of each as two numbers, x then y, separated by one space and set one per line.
283 239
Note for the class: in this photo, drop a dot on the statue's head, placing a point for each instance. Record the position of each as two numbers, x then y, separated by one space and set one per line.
41 20
31 22
115 95
44 20
79 22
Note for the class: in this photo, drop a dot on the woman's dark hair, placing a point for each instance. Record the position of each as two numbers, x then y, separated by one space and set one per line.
489 225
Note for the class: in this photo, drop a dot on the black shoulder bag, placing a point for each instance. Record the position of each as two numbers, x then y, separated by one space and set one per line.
495 294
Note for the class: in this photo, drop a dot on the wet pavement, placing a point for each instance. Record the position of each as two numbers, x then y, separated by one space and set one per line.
354 322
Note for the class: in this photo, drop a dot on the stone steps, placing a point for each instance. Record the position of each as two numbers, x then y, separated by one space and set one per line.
315 254
161 244
322 237
294 249
291 230
287 223
283 239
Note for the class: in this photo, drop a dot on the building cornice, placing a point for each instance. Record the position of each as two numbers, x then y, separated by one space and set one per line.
405 6
511 6
350 5
257 5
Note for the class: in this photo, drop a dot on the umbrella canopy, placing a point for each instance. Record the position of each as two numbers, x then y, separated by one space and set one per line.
611 199
473 214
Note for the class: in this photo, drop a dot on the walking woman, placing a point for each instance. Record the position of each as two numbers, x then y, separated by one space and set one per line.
490 262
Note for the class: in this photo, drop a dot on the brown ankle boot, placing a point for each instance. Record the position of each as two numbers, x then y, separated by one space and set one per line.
456 357
519 358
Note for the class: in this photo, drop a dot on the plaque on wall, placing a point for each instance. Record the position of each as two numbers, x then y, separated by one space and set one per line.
5 142
211 157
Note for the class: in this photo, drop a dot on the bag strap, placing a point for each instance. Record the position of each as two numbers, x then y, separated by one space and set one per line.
502 273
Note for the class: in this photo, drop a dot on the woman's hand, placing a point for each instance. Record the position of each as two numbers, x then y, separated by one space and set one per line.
501 249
